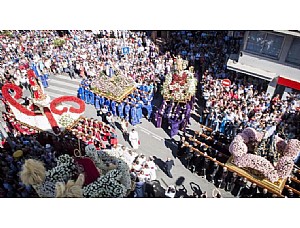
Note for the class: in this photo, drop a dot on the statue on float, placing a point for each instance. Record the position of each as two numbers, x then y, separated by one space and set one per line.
39 97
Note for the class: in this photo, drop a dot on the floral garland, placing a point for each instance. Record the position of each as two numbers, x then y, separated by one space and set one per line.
57 101
64 170
238 148
108 185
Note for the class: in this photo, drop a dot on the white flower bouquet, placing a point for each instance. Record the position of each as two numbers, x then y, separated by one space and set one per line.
66 120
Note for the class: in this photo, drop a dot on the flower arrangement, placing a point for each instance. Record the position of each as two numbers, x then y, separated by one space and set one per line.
106 186
284 166
238 148
66 120
114 88
179 86
292 148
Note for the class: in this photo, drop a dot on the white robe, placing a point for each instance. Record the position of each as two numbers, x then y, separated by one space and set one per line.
134 139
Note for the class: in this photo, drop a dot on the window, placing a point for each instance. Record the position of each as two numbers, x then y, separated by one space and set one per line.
264 43
293 55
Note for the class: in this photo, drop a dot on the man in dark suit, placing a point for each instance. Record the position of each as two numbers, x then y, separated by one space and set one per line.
168 166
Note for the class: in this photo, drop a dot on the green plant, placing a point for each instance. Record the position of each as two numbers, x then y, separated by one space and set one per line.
59 42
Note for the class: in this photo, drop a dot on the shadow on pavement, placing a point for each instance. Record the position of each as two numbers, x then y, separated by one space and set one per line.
171 144
125 136
180 181
196 188
160 163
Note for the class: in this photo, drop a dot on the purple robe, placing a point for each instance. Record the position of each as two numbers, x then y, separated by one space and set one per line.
169 110
177 110
175 124
157 119
188 113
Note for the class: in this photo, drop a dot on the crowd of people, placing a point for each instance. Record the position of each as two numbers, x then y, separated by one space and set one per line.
88 54
245 102
229 110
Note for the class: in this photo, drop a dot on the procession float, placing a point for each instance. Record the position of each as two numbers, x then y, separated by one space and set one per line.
115 88
263 158
42 113
178 92
88 172
179 86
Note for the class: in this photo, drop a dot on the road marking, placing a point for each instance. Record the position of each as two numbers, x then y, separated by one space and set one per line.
145 132
66 78
156 137
53 95
153 134
58 82
60 89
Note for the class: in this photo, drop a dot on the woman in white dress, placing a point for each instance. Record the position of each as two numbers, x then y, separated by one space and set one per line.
134 139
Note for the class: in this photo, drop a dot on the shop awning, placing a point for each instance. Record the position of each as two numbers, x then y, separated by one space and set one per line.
252 71
285 81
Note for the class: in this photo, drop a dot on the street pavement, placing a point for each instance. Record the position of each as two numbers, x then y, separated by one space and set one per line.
154 142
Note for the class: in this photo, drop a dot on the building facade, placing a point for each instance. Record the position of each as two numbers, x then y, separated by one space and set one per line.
270 55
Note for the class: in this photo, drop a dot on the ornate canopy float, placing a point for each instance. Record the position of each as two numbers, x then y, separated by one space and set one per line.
53 116
179 86
115 88
266 159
